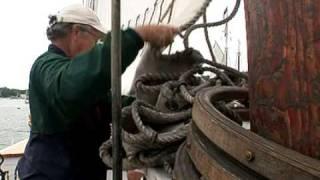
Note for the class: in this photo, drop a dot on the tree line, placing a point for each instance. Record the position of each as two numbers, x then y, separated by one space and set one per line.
6 92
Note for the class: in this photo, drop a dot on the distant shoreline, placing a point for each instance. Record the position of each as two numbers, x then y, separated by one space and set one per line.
13 97
12 93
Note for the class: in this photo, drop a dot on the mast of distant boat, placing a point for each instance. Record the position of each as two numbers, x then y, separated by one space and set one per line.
226 34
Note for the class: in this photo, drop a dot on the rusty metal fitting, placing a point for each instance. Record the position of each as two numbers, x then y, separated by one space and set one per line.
249 156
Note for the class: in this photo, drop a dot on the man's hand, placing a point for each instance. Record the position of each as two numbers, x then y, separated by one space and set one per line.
157 35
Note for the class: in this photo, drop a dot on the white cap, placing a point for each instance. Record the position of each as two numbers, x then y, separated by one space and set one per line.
81 15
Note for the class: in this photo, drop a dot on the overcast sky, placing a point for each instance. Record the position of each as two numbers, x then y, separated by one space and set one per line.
23 39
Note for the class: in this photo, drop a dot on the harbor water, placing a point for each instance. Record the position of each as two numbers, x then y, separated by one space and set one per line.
13 121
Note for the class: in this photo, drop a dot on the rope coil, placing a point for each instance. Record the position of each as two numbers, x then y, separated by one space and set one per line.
159 119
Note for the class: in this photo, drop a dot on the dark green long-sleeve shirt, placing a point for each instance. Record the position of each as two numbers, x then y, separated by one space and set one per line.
61 88
70 111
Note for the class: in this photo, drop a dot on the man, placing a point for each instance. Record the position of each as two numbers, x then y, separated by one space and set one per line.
70 95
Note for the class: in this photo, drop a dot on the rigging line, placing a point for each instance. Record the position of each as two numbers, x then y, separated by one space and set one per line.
170 47
137 19
129 23
93 5
218 23
160 13
145 15
154 9
206 34
169 10
88 4
169 19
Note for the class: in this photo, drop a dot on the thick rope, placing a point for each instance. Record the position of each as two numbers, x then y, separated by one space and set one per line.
172 135
104 153
167 167
158 117
151 137
142 160
192 28
196 17
151 82
200 70
225 68
170 99
149 132
162 138
186 94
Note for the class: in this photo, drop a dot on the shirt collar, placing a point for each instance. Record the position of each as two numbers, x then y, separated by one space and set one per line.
55 49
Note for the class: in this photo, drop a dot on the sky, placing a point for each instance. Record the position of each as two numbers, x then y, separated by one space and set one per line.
23 37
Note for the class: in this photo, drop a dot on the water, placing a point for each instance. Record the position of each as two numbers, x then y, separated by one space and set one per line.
13 121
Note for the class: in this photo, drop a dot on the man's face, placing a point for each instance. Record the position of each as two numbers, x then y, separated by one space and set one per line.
83 39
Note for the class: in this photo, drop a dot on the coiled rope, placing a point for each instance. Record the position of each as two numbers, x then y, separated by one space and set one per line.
156 132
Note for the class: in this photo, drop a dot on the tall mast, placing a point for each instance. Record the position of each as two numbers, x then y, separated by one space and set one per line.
238 55
226 34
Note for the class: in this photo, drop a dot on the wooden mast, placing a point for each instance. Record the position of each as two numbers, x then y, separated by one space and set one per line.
284 70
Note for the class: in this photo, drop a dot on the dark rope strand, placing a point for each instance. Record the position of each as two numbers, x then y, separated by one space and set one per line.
206 34
192 28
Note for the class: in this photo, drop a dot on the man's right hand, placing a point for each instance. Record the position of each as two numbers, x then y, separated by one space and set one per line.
157 35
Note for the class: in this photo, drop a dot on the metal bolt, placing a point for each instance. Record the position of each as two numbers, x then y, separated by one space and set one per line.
249 156
188 144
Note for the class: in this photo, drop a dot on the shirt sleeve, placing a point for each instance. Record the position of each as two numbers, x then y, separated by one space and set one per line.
70 86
